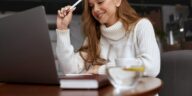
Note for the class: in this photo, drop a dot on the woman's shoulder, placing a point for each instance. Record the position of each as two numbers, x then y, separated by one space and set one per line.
143 21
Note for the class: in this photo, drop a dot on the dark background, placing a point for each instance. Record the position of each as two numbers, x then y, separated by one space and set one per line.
53 5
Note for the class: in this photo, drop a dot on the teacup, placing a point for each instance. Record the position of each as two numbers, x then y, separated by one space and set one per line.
125 74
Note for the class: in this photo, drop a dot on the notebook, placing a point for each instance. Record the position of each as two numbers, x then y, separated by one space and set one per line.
83 81
25 49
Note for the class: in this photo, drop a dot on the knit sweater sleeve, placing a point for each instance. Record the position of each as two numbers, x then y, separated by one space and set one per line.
69 61
147 50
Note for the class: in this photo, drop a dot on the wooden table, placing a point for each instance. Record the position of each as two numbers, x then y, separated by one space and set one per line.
148 86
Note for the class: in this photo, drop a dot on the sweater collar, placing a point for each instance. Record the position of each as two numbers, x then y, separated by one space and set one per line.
113 32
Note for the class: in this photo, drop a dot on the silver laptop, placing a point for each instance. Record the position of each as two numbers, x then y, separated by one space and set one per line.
25 49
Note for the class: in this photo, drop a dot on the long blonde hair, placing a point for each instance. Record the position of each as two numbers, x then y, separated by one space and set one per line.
91 28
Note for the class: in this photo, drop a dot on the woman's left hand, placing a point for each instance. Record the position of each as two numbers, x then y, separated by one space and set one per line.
93 70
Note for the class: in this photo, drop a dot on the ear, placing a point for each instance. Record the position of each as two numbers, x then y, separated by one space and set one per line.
117 3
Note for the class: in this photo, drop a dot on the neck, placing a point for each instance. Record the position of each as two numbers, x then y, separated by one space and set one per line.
111 22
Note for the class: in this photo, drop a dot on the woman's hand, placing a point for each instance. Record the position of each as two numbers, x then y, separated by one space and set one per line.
64 17
93 70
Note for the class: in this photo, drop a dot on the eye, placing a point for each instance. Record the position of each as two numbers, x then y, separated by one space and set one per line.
100 1
91 5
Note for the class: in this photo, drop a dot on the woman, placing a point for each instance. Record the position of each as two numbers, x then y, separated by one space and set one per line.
113 30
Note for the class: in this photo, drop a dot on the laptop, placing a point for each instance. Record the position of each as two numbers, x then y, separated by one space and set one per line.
25 49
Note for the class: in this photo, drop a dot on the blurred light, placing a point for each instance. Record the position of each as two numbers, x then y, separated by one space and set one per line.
181 30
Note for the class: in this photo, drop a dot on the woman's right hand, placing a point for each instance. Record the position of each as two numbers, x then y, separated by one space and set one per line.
64 17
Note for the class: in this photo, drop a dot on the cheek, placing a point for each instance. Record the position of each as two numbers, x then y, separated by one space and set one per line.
112 11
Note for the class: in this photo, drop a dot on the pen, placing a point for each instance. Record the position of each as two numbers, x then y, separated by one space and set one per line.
75 4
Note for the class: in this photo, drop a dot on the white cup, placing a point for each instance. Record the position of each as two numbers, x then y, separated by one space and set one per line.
125 74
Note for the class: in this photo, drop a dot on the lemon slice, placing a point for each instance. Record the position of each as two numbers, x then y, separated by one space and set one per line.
138 69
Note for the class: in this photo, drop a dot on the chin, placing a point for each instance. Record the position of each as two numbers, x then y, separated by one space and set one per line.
102 22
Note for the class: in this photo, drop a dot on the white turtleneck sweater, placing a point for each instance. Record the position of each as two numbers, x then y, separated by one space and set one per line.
139 46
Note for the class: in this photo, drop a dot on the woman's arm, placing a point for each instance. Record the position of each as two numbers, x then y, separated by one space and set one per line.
148 52
70 61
